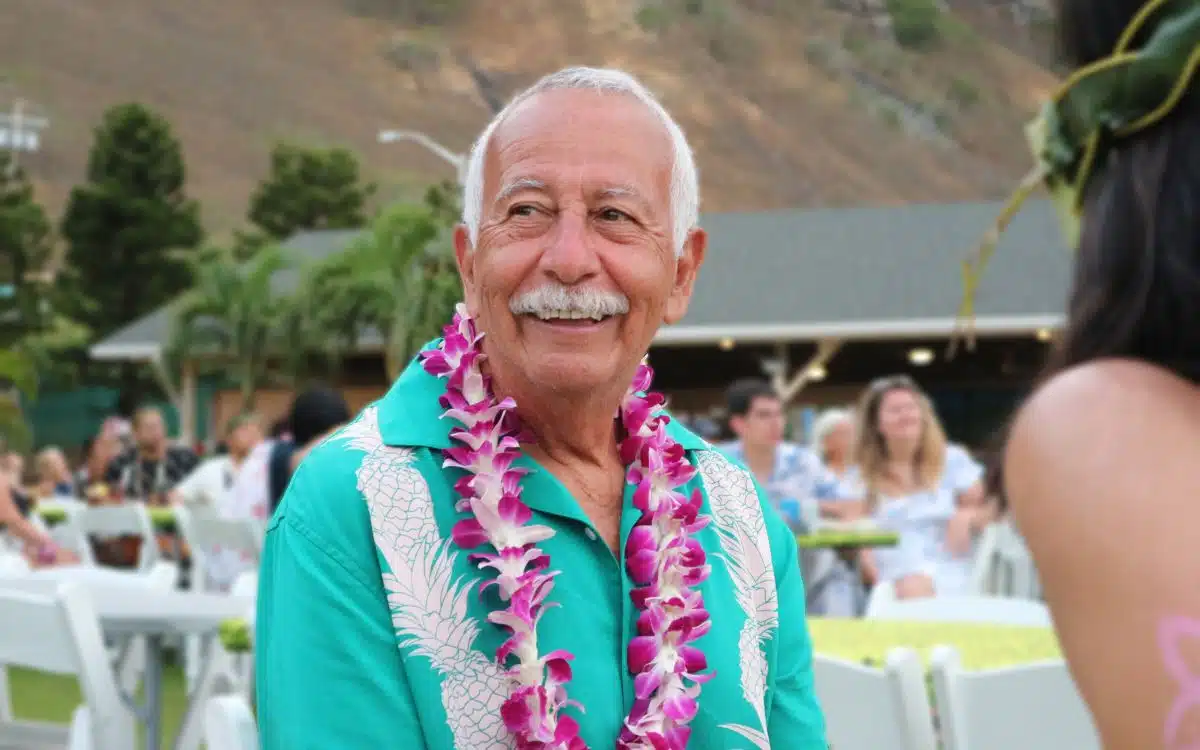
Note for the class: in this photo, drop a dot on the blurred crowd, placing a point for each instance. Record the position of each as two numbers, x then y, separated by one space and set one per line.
134 460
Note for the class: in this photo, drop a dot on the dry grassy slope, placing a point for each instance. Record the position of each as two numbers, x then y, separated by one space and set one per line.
772 127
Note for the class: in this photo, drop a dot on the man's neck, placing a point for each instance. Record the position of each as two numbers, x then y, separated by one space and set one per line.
760 459
568 428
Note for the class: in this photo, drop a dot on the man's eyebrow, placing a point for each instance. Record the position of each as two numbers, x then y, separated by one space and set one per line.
624 191
518 185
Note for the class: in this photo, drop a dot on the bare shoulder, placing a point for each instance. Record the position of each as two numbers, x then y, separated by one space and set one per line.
1105 426
1104 482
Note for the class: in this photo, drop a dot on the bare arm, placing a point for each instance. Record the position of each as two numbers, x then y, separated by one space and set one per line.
1102 476
12 519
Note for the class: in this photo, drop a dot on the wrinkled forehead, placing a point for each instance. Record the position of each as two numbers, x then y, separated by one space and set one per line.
577 143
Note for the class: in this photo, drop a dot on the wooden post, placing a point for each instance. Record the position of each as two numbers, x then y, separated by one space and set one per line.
187 404
826 349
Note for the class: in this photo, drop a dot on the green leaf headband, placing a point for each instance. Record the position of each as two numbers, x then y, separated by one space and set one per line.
1106 101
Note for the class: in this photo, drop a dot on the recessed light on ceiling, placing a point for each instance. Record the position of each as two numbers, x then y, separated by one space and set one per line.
725 344
920 357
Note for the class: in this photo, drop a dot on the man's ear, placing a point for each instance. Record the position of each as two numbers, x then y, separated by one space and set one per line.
464 258
687 265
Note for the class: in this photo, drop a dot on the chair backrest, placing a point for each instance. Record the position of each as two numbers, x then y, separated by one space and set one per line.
991 610
204 528
1032 707
126 519
1003 565
205 532
52 627
868 709
229 725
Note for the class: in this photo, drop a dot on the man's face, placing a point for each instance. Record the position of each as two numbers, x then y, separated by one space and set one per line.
150 432
243 438
762 424
576 200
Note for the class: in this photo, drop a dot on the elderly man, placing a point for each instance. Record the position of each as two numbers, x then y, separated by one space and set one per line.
516 548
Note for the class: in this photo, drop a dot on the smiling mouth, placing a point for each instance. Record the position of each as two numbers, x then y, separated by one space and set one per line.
570 319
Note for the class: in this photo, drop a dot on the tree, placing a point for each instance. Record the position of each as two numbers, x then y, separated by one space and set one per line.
398 279
228 318
26 247
310 188
18 384
125 224
34 334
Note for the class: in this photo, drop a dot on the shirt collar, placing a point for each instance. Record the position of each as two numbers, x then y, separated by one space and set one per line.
410 415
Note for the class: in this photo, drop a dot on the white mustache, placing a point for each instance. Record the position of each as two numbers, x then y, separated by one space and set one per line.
558 301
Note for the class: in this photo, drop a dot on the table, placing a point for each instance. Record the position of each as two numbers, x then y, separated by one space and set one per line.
126 606
162 518
868 641
833 538
844 539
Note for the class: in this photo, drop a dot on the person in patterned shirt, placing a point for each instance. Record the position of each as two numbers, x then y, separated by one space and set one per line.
789 473
151 469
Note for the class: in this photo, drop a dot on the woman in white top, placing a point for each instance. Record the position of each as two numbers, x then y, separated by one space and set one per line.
916 485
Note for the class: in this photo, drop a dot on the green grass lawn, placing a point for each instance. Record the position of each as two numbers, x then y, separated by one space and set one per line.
39 696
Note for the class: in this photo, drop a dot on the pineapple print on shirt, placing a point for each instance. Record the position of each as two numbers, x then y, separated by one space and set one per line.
428 603
738 517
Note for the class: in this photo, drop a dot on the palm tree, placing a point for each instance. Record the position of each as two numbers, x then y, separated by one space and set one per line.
231 314
397 279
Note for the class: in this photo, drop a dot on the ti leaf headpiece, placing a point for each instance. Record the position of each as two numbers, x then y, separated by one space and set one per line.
1095 108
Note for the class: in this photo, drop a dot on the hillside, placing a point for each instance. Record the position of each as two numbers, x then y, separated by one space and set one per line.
796 107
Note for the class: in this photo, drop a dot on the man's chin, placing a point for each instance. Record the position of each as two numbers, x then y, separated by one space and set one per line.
573 372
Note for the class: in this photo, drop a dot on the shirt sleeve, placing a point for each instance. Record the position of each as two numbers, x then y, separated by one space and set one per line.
329 669
116 467
191 489
962 470
795 719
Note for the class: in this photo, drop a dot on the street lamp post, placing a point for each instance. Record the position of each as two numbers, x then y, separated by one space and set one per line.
457 160
20 133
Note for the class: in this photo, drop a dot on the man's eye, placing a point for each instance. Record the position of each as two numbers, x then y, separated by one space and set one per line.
522 209
612 214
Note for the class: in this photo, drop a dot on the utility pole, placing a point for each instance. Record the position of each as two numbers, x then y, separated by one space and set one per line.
20 133
457 160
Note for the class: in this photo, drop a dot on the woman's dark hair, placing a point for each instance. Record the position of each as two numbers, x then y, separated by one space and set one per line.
1136 286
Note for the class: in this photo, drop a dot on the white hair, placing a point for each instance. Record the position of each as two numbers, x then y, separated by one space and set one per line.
827 423
685 182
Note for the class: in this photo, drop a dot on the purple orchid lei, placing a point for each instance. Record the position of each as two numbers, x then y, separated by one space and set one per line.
661 555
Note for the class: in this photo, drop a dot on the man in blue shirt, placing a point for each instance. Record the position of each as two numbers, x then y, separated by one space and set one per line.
789 473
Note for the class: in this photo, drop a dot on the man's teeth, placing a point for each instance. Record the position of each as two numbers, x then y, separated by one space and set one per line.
568 315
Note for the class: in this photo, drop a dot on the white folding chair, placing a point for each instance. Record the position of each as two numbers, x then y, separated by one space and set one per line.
55 630
992 610
1003 565
126 519
204 531
65 533
1031 707
229 725
871 709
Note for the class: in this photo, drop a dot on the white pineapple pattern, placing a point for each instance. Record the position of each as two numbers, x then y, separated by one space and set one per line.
429 605
738 518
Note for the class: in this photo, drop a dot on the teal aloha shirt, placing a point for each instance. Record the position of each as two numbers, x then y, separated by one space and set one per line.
371 632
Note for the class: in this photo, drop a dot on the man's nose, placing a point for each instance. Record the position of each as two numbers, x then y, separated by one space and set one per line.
570 257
